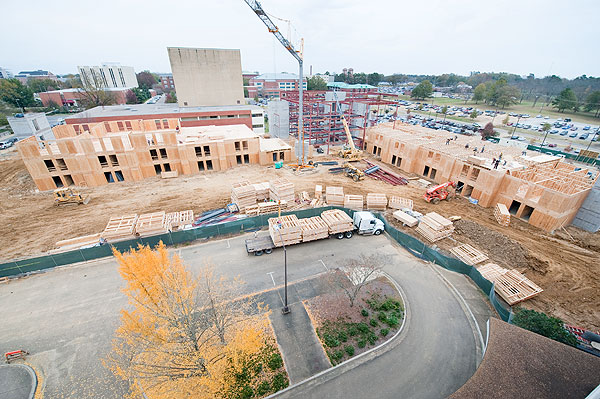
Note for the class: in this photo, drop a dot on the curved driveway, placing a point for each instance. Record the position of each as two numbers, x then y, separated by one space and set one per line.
434 355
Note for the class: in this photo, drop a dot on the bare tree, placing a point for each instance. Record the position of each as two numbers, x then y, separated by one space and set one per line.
355 274
94 94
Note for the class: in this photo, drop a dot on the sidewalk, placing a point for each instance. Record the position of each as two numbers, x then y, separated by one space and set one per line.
302 352
17 381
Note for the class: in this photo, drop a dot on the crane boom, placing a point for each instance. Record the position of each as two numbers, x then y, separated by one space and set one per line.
258 10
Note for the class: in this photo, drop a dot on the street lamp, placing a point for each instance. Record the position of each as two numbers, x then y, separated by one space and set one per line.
515 127
285 309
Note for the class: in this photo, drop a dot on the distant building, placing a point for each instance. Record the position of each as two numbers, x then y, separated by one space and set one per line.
5 74
249 115
249 75
358 87
71 97
207 77
33 124
24 76
272 84
167 82
109 76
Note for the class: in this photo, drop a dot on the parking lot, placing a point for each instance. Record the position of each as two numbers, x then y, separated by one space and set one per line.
66 317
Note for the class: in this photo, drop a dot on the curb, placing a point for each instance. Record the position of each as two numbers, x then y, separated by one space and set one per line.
359 359
34 380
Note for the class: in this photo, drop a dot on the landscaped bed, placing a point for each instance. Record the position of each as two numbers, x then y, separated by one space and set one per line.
346 331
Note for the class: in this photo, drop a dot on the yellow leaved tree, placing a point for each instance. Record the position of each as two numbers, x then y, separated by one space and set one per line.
183 336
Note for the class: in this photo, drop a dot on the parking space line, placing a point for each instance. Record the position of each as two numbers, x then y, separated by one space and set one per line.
324 265
271 274
228 246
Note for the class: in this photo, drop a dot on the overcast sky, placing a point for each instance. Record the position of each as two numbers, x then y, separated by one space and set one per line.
395 36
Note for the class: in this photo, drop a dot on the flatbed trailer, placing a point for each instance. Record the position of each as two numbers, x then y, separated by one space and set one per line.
260 245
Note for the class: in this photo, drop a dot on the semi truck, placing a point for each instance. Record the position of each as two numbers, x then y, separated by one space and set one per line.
363 223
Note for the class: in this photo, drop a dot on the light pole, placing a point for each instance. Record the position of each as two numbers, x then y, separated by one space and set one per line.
286 308
543 141
515 127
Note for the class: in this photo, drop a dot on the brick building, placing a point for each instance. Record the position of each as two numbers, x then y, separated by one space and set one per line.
71 97
167 82
94 154
272 84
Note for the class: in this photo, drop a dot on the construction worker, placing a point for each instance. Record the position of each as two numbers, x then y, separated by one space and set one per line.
447 141
482 149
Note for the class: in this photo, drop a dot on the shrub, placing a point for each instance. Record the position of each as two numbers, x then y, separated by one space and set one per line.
363 328
541 323
362 343
337 355
382 317
364 312
243 375
391 304
246 392
342 336
330 340
385 331
263 388
349 350
352 330
280 381
258 368
372 338
373 322
275 361
392 321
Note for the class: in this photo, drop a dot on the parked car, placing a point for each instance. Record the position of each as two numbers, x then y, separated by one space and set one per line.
554 131
563 133
586 128
552 145
573 135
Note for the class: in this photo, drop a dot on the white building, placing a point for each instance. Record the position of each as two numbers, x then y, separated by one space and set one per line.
110 76
5 73
33 124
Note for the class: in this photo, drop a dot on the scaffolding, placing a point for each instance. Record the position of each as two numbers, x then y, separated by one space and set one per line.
323 123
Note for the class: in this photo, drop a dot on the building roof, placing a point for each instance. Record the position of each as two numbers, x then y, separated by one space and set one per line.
344 85
155 109
202 134
273 144
277 76
39 72
75 90
522 364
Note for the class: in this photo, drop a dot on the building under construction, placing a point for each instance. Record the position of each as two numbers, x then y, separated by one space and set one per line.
95 154
538 188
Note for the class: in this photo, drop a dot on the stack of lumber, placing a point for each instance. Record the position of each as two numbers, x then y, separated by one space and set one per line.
78 242
376 201
289 230
468 254
313 228
281 190
317 203
405 218
262 191
270 207
334 195
151 223
318 191
120 228
243 194
178 219
337 220
400 203
434 227
502 215
353 202
511 285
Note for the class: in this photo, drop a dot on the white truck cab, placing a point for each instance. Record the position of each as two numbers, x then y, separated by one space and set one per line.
367 223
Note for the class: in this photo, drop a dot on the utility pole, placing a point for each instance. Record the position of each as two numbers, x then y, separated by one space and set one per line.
285 309
515 127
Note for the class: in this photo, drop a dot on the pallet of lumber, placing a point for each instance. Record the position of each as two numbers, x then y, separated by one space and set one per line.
304 196
318 191
376 201
252 210
262 191
78 242
243 194
469 255
313 228
281 190
271 207
337 220
434 227
334 195
511 285
405 218
317 203
178 219
396 202
120 228
355 202
151 224
285 230
502 215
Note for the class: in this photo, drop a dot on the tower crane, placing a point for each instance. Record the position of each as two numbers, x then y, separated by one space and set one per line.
260 13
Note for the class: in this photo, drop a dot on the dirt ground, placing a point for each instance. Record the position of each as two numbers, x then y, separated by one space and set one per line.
564 264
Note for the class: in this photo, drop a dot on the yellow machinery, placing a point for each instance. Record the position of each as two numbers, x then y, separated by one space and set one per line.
353 172
66 195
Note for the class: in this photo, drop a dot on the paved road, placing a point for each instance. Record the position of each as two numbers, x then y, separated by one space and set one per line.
66 317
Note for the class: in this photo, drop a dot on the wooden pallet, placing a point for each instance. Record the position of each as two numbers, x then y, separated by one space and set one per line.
430 234
376 201
318 191
334 195
511 285
313 228
78 242
262 191
178 219
337 220
281 190
468 254
151 223
400 203
353 202
502 215
243 194
271 207
285 230
405 218
437 222
118 228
